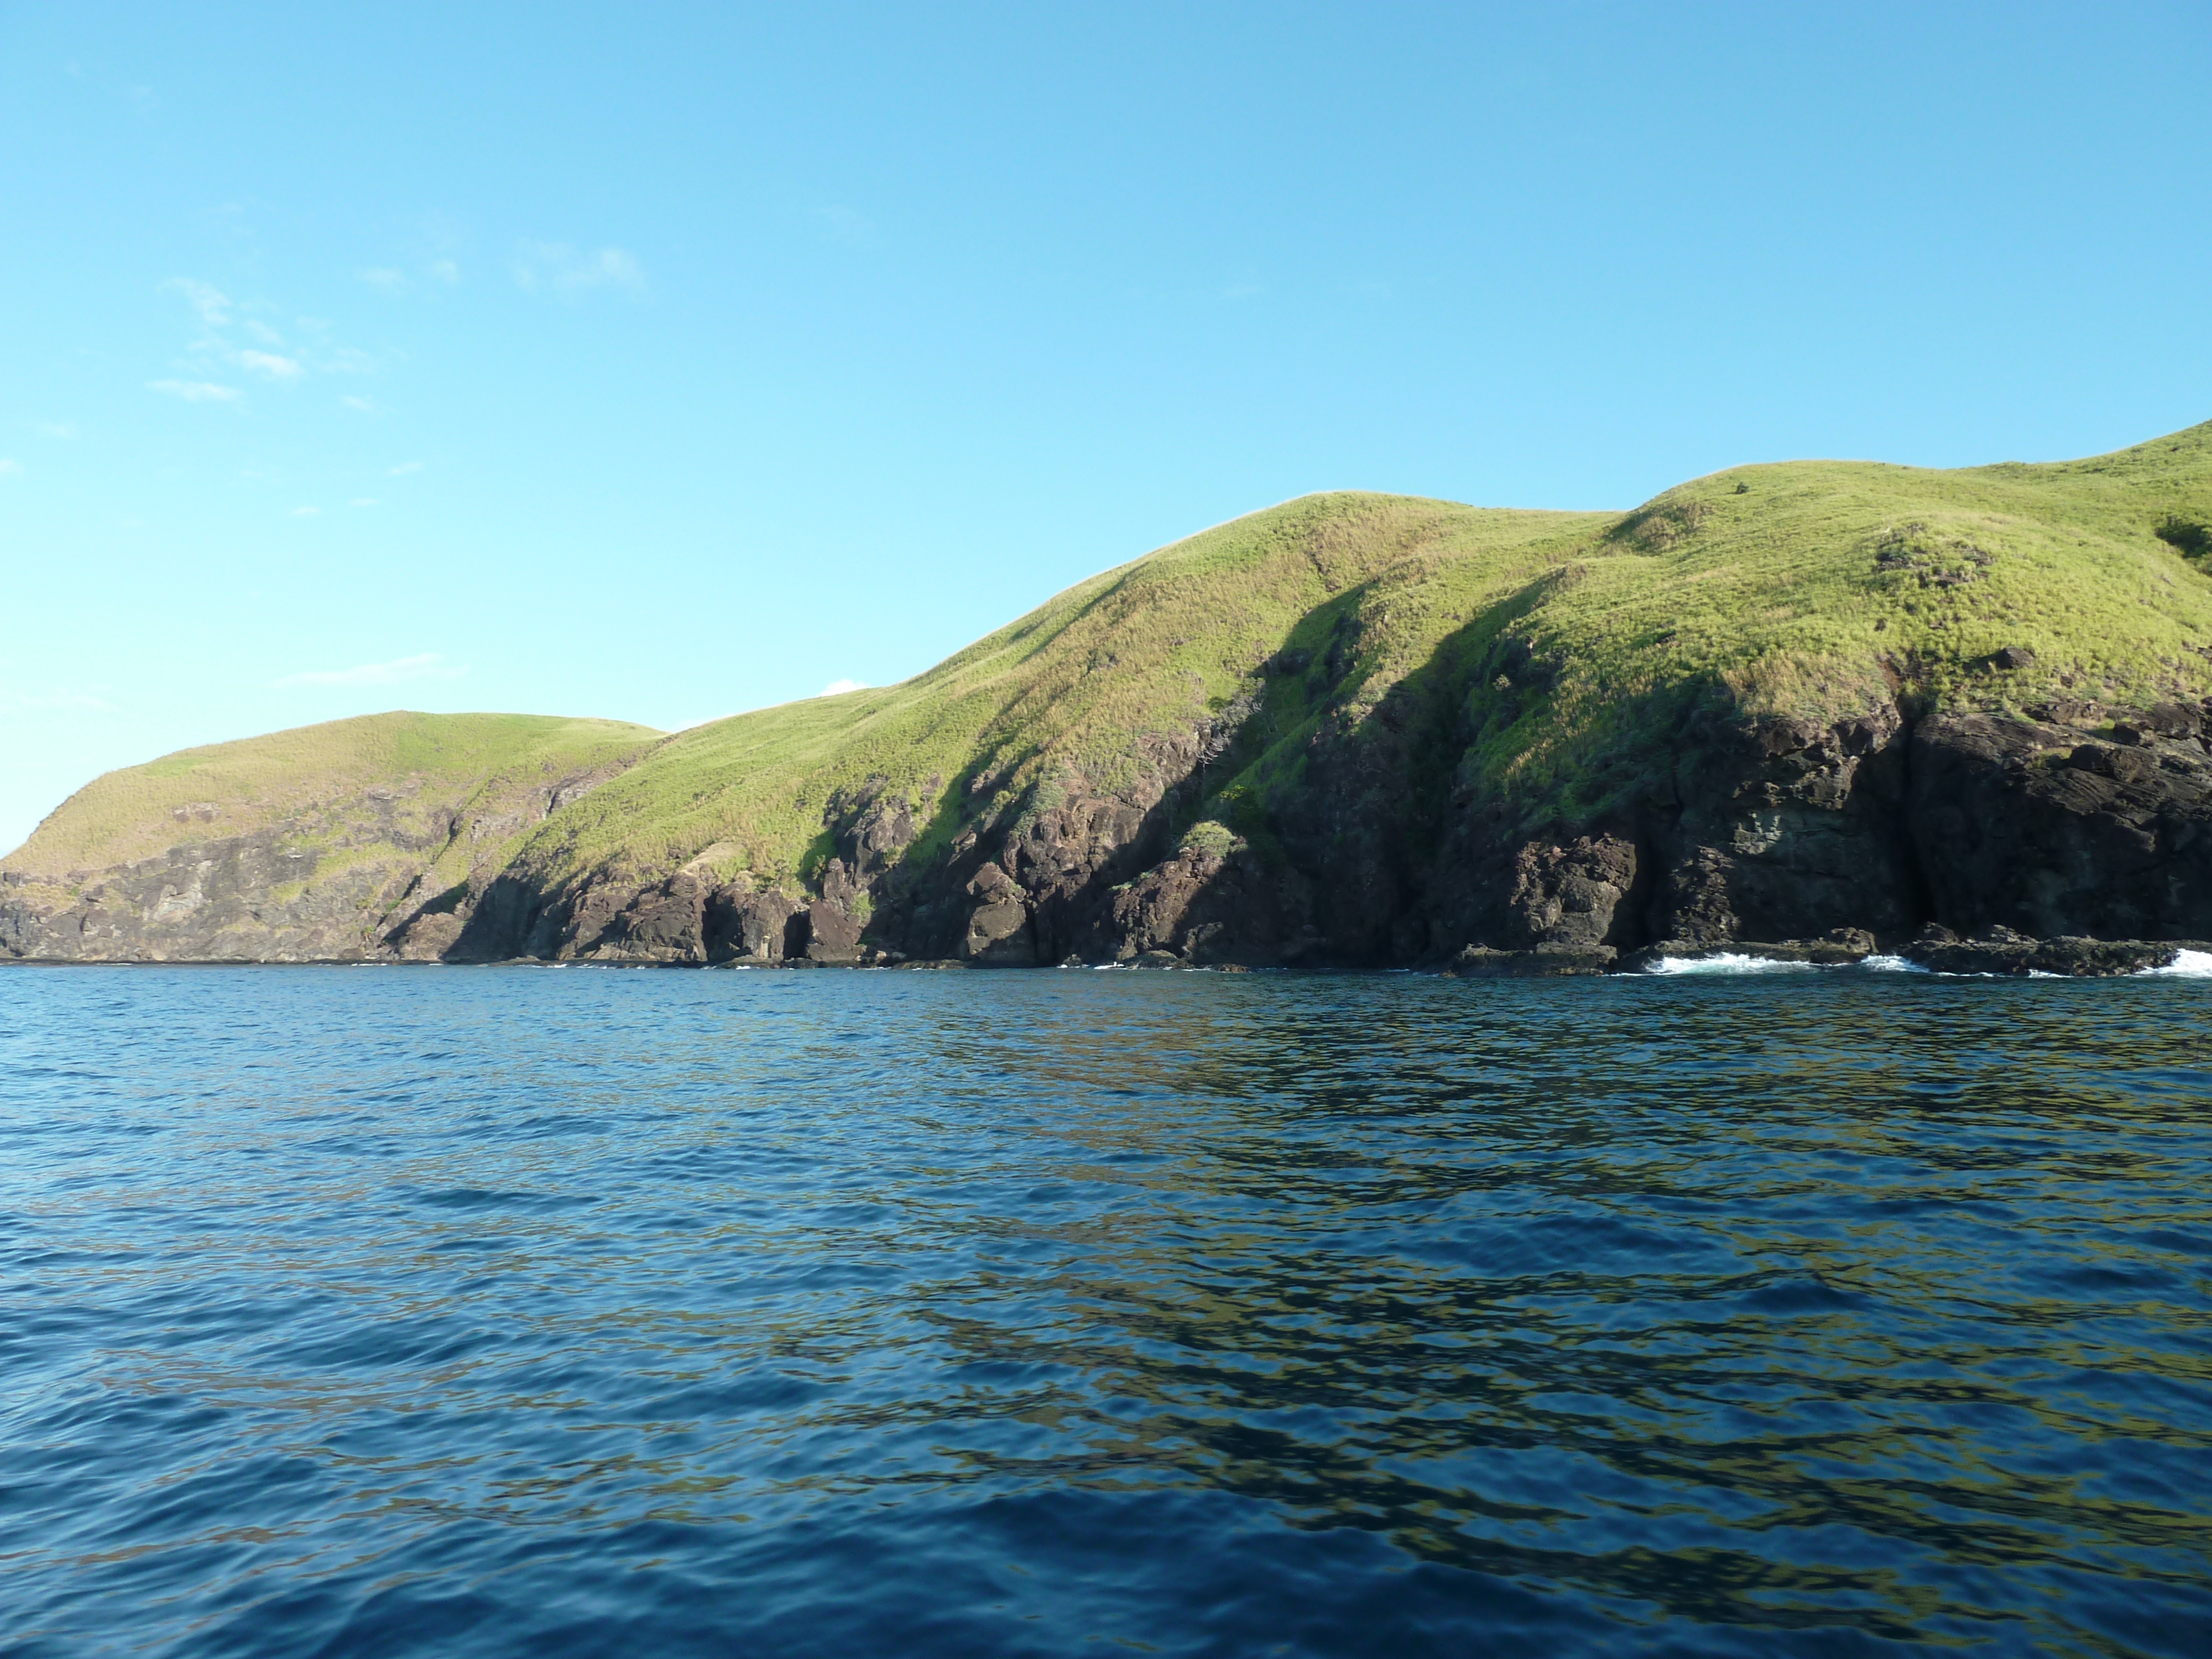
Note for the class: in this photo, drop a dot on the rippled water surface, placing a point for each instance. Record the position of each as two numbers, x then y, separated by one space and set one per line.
524 1311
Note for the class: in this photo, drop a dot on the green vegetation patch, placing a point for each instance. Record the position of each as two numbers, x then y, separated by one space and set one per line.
408 767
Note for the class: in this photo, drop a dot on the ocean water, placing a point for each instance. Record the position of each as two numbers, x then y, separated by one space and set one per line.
516 1312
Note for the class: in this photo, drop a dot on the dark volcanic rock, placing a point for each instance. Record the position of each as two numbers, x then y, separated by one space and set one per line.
1769 829
833 933
662 924
2029 839
2100 958
1207 904
998 931
1776 837
1570 895
2019 825
1542 961
743 926
260 897
2000 950
1786 830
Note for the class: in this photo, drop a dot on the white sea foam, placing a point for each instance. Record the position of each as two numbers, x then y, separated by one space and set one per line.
1893 965
2188 965
1726 962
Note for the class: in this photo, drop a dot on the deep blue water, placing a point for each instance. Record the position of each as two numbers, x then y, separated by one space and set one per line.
526 1311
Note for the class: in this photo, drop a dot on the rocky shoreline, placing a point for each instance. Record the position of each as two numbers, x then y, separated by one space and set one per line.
2000 951
2003 954
1959 838
1966 842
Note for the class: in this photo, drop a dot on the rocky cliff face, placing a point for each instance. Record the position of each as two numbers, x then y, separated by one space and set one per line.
383 873
1876 828
2058 823
2034 825
255 897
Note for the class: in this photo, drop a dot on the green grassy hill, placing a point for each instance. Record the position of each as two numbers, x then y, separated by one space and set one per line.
426 767
1079 687
1808 588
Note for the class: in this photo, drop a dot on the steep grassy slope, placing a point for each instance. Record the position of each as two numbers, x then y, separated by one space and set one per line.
1814 589
1086 686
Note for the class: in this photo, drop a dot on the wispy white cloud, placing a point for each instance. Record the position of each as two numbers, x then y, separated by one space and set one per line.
364 501
429 667
307 512
366 405
64 430
197 391
74 702
404 468
570 270
10 469
1242 291
839 688
392 280
213 305
268 353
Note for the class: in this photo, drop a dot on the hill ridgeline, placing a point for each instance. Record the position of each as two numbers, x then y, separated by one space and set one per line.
1811 709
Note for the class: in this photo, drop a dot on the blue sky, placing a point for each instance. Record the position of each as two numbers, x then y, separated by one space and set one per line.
661 362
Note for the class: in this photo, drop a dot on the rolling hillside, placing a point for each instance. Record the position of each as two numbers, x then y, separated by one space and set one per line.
300 843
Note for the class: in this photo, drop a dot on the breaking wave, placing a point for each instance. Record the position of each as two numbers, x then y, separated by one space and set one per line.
1725 961
2187 964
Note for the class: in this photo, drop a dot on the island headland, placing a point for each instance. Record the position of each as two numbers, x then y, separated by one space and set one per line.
1809 710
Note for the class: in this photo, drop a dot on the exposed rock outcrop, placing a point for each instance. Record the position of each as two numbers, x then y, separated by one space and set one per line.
1998 949
1780 837
2022 840
2029 825
740 925
392 872
258 897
